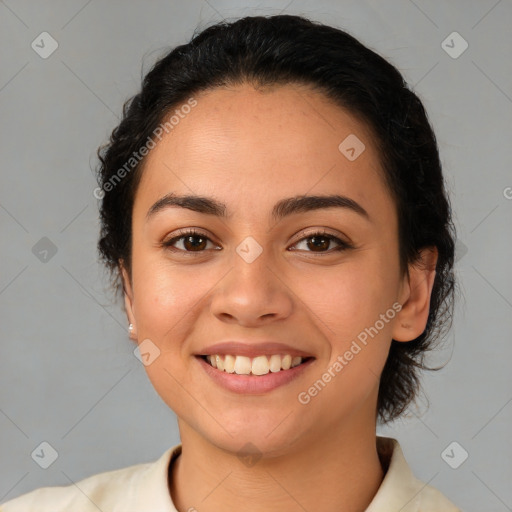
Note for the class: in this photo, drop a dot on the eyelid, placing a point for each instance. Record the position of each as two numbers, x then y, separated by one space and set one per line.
338 238
184 232
304 233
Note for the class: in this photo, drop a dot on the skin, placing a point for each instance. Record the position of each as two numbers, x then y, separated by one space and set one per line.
250 148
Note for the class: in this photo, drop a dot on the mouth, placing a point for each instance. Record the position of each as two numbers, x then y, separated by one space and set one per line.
253 375
256 366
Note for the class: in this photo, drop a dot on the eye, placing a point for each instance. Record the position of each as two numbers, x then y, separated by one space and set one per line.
320 240
193 241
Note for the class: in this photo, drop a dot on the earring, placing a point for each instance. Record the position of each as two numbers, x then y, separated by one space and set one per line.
130 328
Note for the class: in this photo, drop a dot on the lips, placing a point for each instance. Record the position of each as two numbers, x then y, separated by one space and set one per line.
260 365
253 384
252 349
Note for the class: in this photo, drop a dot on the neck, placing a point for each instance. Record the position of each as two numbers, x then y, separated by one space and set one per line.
336 470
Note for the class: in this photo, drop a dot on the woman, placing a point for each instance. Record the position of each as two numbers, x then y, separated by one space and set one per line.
274 212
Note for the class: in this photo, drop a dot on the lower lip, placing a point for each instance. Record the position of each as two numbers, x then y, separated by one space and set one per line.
253 384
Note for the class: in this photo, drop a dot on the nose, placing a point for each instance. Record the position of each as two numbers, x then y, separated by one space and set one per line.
253 293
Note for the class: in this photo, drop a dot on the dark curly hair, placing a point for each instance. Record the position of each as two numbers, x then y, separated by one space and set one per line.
288 49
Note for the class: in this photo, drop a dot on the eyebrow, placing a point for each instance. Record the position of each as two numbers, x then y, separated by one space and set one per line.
283 208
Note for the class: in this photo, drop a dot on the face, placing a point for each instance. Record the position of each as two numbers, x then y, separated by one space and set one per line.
251 277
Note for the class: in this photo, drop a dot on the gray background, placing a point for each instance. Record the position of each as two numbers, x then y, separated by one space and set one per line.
68 372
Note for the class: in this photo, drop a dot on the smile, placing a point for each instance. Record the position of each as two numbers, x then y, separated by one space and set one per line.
260 365
266 377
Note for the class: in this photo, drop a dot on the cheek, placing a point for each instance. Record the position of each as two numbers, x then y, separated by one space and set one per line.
165 299
347 307
352 307
163 294
351 297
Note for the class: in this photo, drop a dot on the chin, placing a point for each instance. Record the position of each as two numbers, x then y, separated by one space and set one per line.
264 438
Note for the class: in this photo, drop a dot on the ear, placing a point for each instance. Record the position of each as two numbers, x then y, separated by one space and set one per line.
415 297
128 300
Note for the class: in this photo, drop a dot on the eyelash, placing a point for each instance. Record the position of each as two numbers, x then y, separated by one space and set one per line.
194 233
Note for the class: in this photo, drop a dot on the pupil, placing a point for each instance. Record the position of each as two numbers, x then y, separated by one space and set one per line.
198 245
321 246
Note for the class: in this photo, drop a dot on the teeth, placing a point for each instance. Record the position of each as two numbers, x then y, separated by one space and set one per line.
260 365
296 361
242 365
229 364
286 362
275 363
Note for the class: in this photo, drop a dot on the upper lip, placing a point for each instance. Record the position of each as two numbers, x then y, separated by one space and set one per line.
252 349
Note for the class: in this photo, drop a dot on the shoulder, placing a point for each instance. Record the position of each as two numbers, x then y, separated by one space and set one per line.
103 491
91 493
431 500
400 489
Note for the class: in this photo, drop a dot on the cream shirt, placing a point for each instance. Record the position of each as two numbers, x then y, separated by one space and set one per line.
143 488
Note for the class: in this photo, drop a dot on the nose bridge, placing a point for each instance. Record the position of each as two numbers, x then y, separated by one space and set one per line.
253 288
252 262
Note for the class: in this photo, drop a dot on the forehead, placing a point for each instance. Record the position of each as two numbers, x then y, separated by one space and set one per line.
247 146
